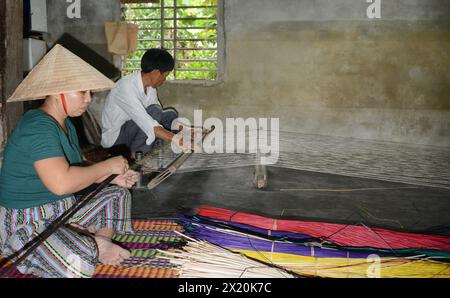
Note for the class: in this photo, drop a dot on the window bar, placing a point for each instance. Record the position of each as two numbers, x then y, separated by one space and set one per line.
171 28
183 49
198 69
162 23
196 60
175 16
180 60
181 7
169 19
179 39
123 17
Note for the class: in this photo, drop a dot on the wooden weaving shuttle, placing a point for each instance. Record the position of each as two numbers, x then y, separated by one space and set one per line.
174 165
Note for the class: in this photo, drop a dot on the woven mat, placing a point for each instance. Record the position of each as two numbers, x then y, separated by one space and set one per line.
145 261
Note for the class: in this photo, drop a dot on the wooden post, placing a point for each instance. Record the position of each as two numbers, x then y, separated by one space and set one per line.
260 176
11 57
2 71
2 126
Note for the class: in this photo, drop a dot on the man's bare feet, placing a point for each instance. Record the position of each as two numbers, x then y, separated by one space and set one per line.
110 253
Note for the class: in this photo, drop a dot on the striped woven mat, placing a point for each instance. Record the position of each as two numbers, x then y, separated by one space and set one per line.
145 261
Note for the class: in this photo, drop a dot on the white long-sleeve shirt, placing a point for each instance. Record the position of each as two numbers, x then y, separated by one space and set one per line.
128 101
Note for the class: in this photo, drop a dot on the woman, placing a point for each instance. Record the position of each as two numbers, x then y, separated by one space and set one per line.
42 170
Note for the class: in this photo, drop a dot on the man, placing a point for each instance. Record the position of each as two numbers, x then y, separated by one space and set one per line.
133 116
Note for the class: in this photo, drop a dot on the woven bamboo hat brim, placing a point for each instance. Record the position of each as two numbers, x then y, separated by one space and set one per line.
60 71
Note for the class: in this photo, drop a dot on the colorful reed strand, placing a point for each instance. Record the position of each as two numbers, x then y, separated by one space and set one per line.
344 235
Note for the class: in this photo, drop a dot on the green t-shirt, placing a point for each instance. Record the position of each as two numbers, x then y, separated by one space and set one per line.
36 137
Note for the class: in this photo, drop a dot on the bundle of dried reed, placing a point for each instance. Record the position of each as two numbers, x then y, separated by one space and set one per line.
201 259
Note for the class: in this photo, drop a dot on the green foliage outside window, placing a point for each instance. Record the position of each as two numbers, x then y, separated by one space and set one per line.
194 59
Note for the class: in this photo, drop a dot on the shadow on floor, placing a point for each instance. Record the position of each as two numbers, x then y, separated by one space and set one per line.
296 194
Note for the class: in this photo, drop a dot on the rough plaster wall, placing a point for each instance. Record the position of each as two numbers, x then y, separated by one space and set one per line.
88 29
323 67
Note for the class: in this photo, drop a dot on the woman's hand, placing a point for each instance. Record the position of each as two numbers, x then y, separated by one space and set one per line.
127 179
117 165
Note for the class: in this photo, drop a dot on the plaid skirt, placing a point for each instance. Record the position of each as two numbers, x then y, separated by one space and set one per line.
67 252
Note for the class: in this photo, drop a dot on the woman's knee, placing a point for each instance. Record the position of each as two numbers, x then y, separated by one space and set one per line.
119 193
118 201
77 256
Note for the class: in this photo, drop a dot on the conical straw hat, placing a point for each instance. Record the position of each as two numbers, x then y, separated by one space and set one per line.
60 71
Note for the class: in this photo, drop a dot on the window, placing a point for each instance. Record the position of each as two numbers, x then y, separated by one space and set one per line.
188 29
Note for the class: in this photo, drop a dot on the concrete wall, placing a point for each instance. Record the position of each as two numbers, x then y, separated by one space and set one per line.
88 29
323 67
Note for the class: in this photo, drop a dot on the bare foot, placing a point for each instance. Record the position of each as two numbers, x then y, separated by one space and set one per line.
110 253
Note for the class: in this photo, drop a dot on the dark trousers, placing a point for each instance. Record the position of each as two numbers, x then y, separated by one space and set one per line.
135 139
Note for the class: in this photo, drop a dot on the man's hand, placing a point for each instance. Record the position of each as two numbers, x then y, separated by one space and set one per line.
126 180
196 133
185 145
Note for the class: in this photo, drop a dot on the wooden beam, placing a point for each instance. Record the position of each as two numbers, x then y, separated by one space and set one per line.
11 55
2 71
139 1
2 124
260 175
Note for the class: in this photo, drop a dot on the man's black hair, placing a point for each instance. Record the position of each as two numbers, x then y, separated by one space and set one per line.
158 59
